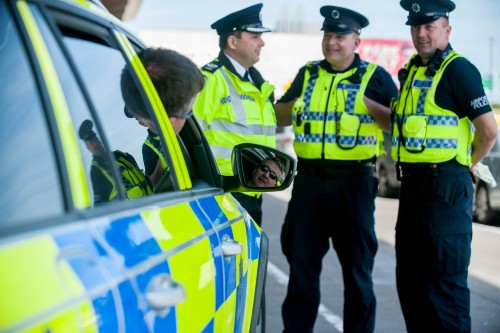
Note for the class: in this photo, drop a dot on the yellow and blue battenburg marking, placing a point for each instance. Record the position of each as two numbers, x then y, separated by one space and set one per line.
93 276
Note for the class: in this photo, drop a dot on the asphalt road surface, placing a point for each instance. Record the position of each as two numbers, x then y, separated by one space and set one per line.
484 274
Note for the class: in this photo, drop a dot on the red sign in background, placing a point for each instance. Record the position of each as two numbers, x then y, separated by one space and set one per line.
391 54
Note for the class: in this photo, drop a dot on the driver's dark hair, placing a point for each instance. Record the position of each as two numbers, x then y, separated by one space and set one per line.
223 39
176 79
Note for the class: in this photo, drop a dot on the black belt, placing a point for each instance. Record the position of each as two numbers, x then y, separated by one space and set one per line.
366 168
429 169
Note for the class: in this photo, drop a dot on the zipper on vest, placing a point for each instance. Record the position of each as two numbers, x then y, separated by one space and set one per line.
326 117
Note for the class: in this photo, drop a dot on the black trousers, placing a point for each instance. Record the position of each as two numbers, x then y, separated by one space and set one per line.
433 250
340 210
252 205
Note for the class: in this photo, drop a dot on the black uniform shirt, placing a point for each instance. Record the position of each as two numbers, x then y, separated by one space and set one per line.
149 156
461 89
100 183
381 87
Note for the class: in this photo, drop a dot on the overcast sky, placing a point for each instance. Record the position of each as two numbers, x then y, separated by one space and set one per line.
475 24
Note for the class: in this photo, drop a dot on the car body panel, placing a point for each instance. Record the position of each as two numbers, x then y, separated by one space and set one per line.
492 160
487 198
144 244
386 171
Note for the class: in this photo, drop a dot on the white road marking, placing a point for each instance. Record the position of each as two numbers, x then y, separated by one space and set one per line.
327 314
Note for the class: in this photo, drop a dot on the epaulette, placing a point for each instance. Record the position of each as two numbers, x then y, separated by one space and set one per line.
313 69
212 66
120 153
126 156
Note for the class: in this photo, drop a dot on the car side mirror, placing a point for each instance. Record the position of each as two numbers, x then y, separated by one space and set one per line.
260 168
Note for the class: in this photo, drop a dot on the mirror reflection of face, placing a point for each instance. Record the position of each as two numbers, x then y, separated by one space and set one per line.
266 174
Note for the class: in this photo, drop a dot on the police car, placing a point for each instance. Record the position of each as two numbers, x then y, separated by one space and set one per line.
189 259
487 197
386 171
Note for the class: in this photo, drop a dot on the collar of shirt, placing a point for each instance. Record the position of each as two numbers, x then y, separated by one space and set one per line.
237 67
418 59
329 69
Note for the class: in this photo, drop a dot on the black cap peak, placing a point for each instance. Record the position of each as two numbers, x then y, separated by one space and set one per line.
248 19
342 20
425 11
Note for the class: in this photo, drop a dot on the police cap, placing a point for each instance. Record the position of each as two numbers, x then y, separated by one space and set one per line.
86 133
248 19
342 20
425 11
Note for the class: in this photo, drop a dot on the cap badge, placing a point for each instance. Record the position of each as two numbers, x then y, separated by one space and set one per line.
260 17
415 8
335 14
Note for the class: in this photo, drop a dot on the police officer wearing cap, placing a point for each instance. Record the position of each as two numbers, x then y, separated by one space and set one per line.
338 107
236 104
442 128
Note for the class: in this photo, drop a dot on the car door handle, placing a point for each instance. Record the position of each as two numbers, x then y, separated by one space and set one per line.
230 247
163 293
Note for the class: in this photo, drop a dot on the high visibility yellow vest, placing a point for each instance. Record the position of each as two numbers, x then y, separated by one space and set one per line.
134 180
423 132
231 111
331 120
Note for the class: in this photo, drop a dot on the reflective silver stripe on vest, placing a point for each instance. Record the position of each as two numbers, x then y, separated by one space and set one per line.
363 140
239 110
320 116
431 143
222 152
228 126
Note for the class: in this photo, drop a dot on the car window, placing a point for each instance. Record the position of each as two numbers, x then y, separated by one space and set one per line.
31 187
110 143
124 135
102 79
